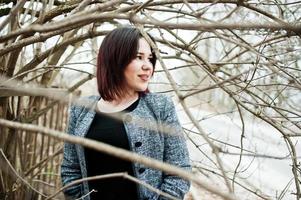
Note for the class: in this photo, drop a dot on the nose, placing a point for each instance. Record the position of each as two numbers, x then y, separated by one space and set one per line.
147 65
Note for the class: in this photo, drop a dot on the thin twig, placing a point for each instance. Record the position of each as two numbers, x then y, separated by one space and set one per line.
23 181
12 13
214 148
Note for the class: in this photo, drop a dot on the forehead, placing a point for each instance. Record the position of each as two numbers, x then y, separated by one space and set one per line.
143 46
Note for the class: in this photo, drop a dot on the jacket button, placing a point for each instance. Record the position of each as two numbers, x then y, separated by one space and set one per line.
127 118
138 144
141 170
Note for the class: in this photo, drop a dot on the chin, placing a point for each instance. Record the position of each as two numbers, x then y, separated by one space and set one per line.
141 89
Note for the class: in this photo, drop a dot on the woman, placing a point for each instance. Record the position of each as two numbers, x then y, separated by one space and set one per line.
124 67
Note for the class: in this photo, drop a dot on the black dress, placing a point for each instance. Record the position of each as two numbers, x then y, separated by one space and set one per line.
110 131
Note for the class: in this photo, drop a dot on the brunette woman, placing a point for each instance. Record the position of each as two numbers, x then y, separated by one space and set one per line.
125 66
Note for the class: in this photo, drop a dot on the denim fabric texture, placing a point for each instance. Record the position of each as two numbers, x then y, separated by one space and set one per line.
153 110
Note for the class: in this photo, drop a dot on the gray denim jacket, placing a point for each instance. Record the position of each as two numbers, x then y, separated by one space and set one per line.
151 108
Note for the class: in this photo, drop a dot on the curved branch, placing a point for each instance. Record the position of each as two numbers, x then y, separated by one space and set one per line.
117 152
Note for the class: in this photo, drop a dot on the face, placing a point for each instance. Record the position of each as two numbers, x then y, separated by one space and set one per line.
139 71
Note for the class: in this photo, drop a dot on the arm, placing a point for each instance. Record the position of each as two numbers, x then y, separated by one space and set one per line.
70 169
175 153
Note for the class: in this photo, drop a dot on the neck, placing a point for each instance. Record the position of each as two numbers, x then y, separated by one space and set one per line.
117 104
129 97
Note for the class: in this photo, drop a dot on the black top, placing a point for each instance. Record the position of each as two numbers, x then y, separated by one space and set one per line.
110 131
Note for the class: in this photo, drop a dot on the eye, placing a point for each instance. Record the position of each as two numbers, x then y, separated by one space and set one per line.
139 57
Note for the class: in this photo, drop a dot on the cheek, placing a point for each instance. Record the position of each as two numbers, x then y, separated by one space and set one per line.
132 68
130 71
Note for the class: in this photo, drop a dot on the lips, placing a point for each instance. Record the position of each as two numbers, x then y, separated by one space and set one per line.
144 77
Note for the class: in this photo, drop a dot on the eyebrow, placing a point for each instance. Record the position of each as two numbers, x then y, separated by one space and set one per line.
143 54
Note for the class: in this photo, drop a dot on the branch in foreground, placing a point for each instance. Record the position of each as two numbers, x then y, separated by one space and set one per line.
117 152
114 175
214 148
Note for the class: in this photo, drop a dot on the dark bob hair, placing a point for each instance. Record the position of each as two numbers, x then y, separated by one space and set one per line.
117 50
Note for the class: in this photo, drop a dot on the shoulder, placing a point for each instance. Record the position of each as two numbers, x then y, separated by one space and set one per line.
158 102
157 98
84 103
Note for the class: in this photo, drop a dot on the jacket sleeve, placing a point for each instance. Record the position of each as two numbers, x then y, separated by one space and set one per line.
70 169
175 153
